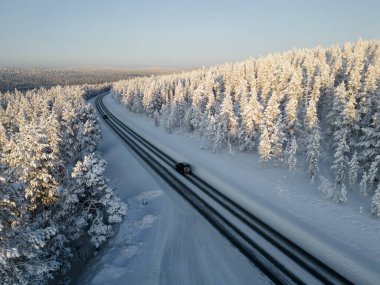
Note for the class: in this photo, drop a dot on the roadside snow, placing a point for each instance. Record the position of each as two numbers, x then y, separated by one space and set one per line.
162 240
343 235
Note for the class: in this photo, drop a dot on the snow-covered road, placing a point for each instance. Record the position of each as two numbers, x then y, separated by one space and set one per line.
341 235
164 241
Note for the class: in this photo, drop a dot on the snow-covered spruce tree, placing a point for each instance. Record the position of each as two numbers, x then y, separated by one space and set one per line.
173 118
341 156
311 109
265 150
372 175
90 132
363 186
340 121
126 96
313 153
242 94
370 144
198 107
375 207
226 125
353 169
291 155
269 130
277 140
181 104
366 105
291 120
209 130
251 117
70 145
152 99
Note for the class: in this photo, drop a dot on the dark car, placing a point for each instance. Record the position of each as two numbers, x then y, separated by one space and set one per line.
183 167
105 116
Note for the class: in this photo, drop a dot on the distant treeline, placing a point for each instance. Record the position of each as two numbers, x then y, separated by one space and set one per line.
29 78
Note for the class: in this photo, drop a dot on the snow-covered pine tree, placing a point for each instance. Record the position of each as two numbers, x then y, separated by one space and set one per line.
265 150
242 95
196 119
311 114
99 206
211 104
327 189
291 115
353 169
220 137
156 118
291 155
35 155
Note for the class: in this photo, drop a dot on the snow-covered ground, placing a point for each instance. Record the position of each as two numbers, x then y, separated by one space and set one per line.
164 241
342 235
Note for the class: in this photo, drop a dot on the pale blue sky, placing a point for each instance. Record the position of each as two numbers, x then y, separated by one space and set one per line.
171 33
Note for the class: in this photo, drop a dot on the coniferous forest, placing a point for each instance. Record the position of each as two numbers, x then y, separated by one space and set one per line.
313 109
189 142
54 197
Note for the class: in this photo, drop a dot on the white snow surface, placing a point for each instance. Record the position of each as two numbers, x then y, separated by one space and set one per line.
162 240
343 236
